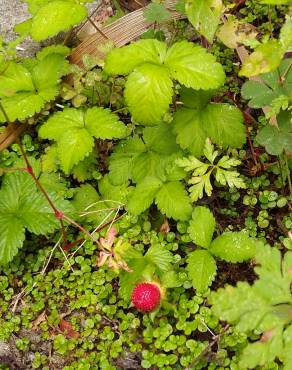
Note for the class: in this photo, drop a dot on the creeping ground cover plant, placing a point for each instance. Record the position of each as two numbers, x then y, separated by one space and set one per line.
145 186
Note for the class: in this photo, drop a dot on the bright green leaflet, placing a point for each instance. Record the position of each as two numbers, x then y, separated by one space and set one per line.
233 247
199 119
136 159
24 92
74 131
201 269
50 18
151 68
23 206
202 226
265 307
204 15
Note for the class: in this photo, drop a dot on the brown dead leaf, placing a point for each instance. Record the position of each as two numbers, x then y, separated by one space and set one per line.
41 318
67 329
164 228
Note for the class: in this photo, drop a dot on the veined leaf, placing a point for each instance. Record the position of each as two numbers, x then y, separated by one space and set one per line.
122 61
233 247
56 16
192 66
143 195
202 226
74 129
223 123
201 269
160 257
23 206
24 92
173 201
156 13
266 57
204 15
148 93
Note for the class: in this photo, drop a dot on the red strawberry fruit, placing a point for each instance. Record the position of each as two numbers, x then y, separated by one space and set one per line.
146 297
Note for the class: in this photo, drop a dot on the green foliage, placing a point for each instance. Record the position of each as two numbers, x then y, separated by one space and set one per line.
263 308
201 172
74 131
263 92
229 246
157 13
204 15
151 68
53 16
199 119
25 90
277 139
23 206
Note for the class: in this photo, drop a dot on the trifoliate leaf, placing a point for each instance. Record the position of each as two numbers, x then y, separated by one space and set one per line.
233 247
223 123
173 201
23 206
24 92
156 13
204 15
122 61
262 93
202 226
74 129
56 16
266 57
143 195
201 268
194 67
277 139
148 93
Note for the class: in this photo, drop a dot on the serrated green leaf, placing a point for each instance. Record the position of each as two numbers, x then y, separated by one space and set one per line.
148 93
224 125
204 15
277 139
123 60
160 257
170 279
117 193
262 93
266 57
12 237
56 16
202 226
190 130
262 353
143 195
201 268
231 178
122 158
23 206
233 247
192 66
160 139
173 201
74 129
156 13
24 91
84 169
